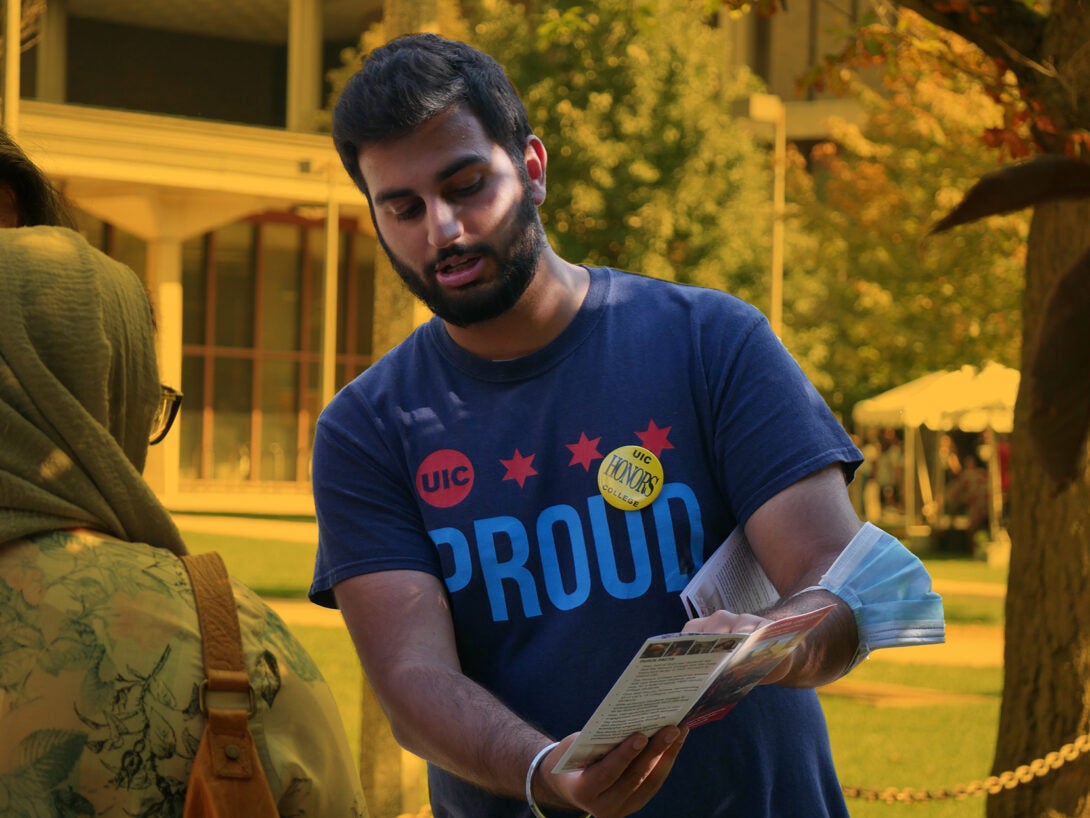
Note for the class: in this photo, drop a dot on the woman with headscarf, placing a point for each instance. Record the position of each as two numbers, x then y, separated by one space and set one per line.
100 651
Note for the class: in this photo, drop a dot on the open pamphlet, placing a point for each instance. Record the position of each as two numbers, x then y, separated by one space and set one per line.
731 580
689 679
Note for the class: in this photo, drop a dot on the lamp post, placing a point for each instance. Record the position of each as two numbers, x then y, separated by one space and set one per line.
769 108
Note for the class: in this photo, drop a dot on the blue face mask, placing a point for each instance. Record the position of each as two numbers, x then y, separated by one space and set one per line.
888 590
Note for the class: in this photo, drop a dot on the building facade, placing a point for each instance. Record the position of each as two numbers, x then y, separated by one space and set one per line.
186 135
783 47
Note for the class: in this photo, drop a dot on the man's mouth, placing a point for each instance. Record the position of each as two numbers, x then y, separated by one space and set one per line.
457 271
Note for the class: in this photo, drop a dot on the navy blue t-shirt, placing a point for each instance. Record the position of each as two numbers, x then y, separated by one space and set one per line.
485 474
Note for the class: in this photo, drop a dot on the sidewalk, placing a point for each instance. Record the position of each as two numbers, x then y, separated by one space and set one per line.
965 645
996 590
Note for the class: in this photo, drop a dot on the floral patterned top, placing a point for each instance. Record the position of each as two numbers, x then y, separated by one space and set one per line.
100 663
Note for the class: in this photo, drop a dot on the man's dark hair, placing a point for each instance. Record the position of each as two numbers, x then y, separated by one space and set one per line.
414 78
37 201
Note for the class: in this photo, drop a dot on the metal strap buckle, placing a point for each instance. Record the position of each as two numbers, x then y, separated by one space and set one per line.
202 698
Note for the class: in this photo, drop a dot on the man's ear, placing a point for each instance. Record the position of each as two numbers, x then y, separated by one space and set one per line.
9 208
536 159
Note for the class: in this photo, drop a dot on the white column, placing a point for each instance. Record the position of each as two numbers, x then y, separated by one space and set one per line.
52 52
304 64
12 40
164 274
329 310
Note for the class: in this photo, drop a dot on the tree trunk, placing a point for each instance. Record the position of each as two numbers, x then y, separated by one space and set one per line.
1046 696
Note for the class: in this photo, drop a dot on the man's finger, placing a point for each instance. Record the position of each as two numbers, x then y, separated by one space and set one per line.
654 779
625 768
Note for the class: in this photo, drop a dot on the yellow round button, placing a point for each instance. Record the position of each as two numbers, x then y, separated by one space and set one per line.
630 478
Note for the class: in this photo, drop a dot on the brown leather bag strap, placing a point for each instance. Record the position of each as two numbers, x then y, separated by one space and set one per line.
224 665
227 734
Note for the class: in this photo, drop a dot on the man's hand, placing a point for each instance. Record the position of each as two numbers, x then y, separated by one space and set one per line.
725 622
619 783
730 622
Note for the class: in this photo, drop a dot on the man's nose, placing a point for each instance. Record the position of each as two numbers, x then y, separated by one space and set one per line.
444 225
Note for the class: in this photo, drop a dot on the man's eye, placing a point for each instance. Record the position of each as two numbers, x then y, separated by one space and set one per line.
471 188
405 213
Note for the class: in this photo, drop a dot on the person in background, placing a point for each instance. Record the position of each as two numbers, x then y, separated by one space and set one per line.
969 495
1003 450
510 501
871 490
890 471
100 651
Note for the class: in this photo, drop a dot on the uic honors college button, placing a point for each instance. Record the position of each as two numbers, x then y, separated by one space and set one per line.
630 478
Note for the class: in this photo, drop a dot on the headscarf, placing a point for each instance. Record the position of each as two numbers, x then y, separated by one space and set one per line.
79 385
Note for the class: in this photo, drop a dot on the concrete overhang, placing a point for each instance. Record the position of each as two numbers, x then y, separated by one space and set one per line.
101 156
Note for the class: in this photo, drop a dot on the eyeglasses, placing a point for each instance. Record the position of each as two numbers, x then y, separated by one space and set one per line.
165 412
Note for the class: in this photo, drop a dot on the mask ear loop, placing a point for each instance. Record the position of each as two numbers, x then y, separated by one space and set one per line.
889 592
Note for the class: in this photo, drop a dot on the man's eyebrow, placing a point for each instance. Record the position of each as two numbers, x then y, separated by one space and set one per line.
443 174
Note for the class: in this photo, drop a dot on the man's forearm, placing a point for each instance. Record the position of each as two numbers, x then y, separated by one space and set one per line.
827 651
447 719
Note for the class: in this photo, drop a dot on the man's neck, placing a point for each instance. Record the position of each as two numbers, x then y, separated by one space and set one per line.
541 314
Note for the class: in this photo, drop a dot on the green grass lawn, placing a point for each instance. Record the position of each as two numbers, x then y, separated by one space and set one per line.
946 743
332 649
969 609
272 568
920 749
924 746
942 744
967 570
973 610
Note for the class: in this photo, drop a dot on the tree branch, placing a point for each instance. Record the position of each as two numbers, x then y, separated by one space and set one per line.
1006 29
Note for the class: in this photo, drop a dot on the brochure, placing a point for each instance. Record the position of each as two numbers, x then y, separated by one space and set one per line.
687 679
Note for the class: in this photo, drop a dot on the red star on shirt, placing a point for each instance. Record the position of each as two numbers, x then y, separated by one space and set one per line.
585 451
519 467
654 439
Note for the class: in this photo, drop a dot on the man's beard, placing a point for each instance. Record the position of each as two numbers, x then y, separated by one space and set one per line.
516 264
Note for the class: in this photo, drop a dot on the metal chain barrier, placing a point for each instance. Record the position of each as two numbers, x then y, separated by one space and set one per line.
992 784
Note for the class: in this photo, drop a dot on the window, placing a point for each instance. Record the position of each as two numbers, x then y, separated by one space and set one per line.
252 319
252 305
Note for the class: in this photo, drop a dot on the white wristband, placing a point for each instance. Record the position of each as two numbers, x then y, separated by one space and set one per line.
534 808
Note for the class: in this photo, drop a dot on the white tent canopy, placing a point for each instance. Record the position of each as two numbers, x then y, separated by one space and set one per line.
966 399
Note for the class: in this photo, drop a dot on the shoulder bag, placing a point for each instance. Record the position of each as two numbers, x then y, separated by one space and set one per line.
227 779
